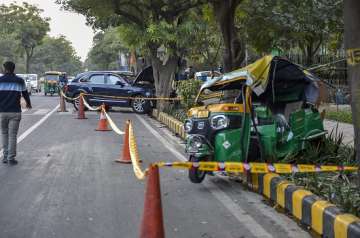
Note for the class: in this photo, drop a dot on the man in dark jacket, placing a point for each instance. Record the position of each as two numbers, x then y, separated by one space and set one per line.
11 89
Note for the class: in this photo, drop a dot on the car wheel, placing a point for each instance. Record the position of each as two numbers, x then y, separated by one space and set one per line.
76 102
195 175
140 105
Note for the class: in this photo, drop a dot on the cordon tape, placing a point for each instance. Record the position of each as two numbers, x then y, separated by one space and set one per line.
257 168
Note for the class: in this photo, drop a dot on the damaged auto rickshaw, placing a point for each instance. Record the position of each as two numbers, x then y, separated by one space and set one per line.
260 113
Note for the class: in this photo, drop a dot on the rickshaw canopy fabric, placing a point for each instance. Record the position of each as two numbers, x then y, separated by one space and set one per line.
271 77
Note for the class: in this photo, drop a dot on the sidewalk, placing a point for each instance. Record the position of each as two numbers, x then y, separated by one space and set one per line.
345 128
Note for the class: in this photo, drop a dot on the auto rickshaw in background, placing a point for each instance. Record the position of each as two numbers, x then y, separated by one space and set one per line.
51 81
260 113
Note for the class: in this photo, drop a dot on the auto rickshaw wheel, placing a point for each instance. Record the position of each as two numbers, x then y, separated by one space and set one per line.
195 175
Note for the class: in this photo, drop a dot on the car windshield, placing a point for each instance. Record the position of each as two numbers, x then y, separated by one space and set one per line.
208 97
52 77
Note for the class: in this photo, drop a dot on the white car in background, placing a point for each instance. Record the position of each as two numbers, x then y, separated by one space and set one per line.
34 81
207 75
27 82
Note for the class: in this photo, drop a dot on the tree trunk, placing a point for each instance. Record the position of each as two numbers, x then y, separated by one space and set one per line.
27 63
29 54
164 74
234 53
352 44
309 54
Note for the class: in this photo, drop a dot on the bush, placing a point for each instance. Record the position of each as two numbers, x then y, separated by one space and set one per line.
187 90
339 188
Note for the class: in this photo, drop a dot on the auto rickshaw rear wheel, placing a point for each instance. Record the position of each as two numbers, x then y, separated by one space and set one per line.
195 175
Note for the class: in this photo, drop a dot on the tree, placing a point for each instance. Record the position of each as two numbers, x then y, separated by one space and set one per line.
352 43
306 25
205 48
56 53
234 52
26 24
156 27
104 54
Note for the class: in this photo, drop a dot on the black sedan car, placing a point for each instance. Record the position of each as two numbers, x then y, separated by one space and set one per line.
112 87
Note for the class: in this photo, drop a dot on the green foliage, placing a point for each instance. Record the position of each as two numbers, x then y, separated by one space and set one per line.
187 90
275 24
105 52
339 188
341 116
206 42
56 53
23 24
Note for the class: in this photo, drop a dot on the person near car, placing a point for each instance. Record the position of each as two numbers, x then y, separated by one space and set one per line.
11 89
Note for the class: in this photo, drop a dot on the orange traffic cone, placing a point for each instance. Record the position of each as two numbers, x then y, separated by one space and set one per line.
126 159
62 104
152 221
103 123
81 111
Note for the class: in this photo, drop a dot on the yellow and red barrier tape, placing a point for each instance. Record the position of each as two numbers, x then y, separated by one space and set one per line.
90 107
238 167
145 98
69 98
121 97
134 154
112 123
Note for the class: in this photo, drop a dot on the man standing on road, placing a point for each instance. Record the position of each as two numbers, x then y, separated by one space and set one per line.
11 89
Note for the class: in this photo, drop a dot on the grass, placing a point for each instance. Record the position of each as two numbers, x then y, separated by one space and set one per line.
341 116
340 188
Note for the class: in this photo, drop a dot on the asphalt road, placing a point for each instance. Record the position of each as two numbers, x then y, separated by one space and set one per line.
67 185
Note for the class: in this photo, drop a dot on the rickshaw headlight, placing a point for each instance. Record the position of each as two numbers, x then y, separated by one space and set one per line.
219 122
196 142
188 125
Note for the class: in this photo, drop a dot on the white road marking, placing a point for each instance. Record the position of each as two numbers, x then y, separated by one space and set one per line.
240 214
33 127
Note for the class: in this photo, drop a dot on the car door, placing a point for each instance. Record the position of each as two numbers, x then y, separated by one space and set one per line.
118 87
96 87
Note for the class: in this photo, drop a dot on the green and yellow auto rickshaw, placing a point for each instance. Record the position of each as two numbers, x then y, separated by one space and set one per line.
51 82
260 113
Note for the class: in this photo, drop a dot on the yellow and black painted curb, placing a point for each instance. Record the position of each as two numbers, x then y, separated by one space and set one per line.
310 210
321 216
174 125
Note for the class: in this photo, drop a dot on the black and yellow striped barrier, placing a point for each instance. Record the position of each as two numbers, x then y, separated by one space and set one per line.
323 217
173 124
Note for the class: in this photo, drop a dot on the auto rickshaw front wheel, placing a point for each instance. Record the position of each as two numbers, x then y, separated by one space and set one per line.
196 175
